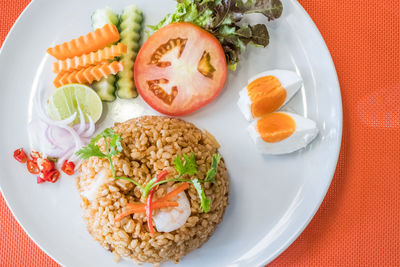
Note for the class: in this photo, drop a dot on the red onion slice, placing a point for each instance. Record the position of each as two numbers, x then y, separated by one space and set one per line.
90 131
82 124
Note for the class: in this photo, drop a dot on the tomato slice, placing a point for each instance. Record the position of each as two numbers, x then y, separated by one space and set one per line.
180 69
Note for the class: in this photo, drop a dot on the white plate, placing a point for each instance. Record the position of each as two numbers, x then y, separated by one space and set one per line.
272 198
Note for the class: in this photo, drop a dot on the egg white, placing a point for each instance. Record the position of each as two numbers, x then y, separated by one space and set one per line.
290 81
306 131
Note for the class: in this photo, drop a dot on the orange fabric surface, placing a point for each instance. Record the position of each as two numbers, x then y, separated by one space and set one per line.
358 222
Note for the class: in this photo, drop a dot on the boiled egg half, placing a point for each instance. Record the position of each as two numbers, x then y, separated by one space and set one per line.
267 92
282 132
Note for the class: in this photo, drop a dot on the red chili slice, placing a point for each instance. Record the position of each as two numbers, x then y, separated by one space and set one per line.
52 176
35 155
32 167
20 155
68 167
45 165
149 201
40 180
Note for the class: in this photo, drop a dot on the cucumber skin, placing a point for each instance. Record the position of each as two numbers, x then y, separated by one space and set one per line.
104 16
105 88
130 32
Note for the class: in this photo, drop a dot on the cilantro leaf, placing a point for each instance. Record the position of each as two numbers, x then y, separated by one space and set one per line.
189 167
212 172
90 150
178 163
112 141
115 144
205 202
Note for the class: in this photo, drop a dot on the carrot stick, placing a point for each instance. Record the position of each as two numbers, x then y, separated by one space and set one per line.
174 192
135 205
84 44
86 60
134 208
88 75
156 205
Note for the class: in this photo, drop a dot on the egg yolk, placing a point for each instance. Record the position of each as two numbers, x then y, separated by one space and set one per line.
266 95
275 127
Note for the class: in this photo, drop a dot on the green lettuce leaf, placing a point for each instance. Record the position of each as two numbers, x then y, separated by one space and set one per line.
223 18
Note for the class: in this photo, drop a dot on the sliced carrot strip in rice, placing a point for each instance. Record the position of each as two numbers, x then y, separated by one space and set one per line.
131 209
85 44
86 60
174 192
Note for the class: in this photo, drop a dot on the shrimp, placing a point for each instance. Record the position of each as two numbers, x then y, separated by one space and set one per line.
170 219
90 189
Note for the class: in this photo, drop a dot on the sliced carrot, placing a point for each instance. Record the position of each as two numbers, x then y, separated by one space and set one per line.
135 205
134 208
57 80
86 60
85 44
88 75
155 205
124 214
174 192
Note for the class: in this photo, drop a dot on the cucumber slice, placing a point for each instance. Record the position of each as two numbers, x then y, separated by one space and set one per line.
130 30
104 16
105 88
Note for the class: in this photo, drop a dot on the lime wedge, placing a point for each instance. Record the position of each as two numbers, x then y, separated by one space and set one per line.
65 101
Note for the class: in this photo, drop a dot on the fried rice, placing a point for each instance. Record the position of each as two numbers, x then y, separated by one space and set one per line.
150 144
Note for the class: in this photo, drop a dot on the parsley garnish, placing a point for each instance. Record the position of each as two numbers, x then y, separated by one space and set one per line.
205 202
189 167
212 172
113 145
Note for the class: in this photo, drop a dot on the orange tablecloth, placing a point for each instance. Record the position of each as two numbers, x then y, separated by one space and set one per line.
358 223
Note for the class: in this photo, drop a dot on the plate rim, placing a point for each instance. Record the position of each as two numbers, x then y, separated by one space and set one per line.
302 227
1 188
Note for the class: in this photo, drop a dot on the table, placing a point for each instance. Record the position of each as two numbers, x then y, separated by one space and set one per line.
358 222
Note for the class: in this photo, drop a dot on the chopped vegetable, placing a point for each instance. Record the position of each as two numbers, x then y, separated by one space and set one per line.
35 155
39 164
180 68
68 167
113 147
223 18
205 202
104 16
140 208
174 192
51 176
130 28
20 155
86 60
89 74
93 41
105 88
149 201
189 167
212 172
45 165
32 167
